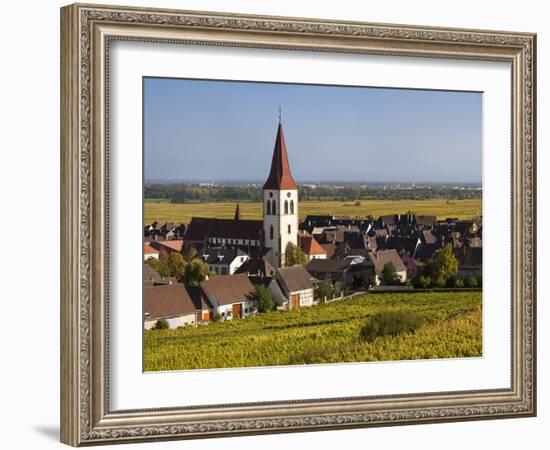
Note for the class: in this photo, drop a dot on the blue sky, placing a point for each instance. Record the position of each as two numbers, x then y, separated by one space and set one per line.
225 131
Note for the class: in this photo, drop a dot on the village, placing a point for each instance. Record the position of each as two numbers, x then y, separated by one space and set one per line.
213 269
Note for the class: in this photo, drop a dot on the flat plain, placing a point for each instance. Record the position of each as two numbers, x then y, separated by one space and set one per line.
164 211
327 333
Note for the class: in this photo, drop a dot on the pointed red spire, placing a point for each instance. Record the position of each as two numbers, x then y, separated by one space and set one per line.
280 177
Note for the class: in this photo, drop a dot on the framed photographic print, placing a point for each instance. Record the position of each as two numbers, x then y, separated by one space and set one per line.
276 224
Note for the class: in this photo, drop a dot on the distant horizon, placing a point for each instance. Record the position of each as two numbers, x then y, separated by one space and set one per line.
310 182
224 131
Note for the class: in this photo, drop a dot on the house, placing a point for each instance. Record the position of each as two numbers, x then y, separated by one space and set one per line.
149 252
383 257
334 270
170 302
469 261
230 296
223 260
151 277
258 270
292 287
312 248
413 265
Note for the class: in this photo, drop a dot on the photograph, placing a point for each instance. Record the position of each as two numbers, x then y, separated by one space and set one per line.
295 224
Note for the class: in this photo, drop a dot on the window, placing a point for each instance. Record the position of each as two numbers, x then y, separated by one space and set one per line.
286 206
289 229
291 206
273 207
271 232
268 208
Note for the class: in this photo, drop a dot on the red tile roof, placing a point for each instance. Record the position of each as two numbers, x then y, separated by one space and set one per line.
176 244
311 247
279 176
148 250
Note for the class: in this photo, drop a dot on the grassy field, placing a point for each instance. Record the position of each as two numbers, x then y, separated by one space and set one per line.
324 334
164 211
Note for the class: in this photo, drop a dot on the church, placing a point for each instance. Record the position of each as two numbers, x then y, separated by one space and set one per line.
268 237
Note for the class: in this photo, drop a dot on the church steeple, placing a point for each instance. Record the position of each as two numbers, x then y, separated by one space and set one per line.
280 194
237 212
280 176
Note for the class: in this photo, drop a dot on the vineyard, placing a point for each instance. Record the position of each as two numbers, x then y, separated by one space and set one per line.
324 334
164 211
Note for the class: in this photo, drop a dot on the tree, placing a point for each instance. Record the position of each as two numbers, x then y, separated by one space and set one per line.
263 299
389 274
195 272
337 289
294 256
160 266
324 290
442 266
176 264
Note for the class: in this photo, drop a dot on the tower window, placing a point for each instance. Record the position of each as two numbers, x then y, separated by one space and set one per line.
289 229
273 207
291 206
286 206
268 208
271 232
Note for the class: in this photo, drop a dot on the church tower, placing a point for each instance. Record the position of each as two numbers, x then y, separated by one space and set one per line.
280 201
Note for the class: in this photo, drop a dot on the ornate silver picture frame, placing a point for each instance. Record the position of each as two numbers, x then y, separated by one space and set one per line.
87 32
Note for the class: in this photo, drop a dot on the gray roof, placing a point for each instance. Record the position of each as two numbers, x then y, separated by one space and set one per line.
384 257
295 278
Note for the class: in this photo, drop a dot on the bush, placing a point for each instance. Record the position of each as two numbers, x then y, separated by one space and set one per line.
422 282
470 282
459 283
390 323
161 324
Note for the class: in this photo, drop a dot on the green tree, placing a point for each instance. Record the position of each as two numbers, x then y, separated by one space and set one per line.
176 264
195 272
442 266
263 299
294 256
160 266
337 289
324 290
389 274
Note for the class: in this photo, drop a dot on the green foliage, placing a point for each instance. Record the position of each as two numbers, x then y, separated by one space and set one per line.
471 282
459 283
263 299
389 275
176 264
193 193
422 282
294 256
441 266
324 290
161 324
324 334
391 323
337 289
361 281
195 272
160 266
